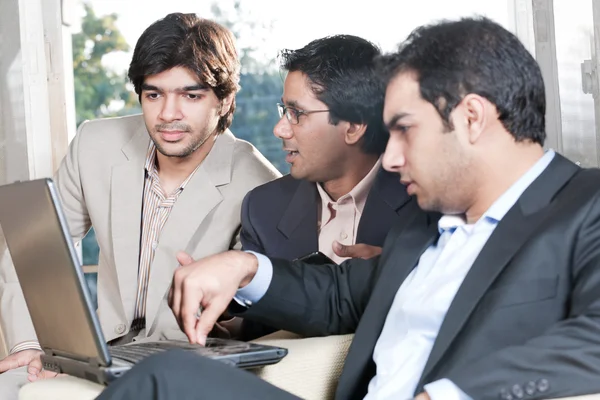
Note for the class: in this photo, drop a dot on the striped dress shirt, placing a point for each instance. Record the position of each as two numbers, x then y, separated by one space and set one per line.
156 209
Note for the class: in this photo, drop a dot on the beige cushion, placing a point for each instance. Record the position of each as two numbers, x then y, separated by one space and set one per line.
312 367
62 388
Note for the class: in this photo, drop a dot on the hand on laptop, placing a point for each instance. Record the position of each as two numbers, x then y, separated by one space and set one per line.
208 284
356 250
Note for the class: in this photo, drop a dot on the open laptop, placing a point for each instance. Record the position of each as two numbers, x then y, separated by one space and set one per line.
59 302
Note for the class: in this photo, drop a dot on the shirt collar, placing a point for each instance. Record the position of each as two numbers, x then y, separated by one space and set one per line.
358 194
150 167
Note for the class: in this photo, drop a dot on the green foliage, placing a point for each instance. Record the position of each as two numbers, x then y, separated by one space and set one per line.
261 82
97 86
256 115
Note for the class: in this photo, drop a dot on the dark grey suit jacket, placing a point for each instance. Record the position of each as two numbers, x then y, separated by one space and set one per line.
526 319
279 219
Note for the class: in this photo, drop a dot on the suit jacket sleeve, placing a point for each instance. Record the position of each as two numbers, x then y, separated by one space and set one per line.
564 360
249 329
14 316
70 189
248 236
315 300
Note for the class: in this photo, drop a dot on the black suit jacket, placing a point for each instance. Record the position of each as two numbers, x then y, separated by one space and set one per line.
279 219
525 319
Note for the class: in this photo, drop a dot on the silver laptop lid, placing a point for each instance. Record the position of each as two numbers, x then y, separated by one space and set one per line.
48 269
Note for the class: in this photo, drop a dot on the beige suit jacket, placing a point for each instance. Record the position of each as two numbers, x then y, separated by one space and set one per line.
100 183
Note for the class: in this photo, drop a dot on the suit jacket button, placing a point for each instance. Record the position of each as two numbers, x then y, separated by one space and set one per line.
517 391
120 329
530 388
543 385
505 395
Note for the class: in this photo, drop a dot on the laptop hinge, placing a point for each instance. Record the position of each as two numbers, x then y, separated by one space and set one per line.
93 361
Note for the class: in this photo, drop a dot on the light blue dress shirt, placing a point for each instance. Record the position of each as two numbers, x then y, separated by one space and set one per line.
423 299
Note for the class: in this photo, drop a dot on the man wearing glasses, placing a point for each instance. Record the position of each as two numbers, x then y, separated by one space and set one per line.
337 199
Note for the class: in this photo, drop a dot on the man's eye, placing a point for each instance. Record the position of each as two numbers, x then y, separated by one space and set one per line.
193 96
400 128
152 96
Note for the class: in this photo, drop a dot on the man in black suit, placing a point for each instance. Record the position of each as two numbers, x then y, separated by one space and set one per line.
332 129
496 297
337 199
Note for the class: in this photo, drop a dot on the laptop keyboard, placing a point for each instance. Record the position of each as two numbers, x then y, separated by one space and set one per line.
133 353
215 348
136 352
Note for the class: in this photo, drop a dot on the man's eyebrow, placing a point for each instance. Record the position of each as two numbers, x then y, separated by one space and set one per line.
153 88
395 119
293 103
190 88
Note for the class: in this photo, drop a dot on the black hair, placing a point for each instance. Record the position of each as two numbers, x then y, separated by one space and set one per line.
184 40
474 55
341 70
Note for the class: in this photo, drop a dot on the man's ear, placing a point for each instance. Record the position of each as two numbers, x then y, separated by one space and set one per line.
354 133
226 104
475 110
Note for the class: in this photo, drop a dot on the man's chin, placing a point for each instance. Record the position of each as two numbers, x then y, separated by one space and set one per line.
296 172
176 150
299 174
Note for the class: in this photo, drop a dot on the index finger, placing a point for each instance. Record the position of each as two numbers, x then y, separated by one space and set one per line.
190 302
208 319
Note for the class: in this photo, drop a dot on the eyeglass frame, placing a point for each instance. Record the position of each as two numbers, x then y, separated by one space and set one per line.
283 110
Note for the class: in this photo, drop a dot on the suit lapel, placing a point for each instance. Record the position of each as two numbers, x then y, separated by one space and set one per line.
127 187
385 199
408 247
420 232
182 229
299 222
510 235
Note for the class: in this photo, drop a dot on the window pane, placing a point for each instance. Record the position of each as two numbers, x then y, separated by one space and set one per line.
574 40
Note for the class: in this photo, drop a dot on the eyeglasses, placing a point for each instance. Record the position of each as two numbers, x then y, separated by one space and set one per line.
293 114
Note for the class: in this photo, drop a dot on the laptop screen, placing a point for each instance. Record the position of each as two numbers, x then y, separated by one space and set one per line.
48 271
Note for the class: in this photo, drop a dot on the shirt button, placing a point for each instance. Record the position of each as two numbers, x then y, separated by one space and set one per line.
120 329
344 235
154 245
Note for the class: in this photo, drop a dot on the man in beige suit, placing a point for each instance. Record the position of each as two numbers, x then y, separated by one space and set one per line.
170 179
